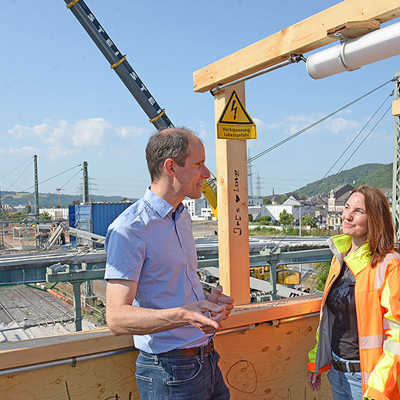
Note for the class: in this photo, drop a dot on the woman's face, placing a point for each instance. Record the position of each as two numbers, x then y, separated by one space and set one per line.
354 217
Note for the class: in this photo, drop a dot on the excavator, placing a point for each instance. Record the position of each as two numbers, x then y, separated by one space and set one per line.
118 63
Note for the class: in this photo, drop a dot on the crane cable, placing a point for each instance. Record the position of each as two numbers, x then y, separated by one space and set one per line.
357 135
269 149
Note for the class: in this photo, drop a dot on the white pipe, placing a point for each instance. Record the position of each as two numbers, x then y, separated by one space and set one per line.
353 54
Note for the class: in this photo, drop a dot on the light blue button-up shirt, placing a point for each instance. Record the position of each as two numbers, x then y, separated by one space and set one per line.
154 246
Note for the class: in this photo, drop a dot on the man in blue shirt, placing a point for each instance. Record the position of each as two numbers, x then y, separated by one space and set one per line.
153 291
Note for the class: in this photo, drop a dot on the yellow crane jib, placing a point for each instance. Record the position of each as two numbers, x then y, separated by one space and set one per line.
210 193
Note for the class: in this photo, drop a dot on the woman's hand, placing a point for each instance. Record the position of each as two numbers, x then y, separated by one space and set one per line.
314 381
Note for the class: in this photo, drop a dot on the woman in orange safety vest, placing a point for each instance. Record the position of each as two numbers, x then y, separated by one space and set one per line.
358 338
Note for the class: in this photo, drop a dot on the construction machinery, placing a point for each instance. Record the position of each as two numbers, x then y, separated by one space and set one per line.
118 63
284 275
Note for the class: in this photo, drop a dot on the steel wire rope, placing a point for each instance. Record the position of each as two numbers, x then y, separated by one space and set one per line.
70 179
357 135
364 139
22 172
269 149
52 177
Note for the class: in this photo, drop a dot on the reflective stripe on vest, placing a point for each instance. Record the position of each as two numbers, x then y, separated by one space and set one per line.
381 269
371 342
388 324
392 347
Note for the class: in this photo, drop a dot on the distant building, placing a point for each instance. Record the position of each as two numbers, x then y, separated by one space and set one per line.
255 201
55 213
194 206
336 201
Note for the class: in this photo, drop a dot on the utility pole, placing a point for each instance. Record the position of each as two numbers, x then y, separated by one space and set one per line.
58 197
250 174
258 185
88 293
300 220
36 196
85 197
396 159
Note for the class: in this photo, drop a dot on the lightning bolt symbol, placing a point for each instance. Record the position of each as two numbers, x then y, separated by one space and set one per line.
234 108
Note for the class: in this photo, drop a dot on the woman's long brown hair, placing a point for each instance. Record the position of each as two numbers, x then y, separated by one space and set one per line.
380 225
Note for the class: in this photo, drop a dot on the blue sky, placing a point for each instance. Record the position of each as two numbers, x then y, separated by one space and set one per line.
61 101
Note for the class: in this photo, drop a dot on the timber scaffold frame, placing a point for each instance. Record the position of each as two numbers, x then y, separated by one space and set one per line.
231 162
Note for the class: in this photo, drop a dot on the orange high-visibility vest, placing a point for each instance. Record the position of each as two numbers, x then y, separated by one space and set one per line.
377 297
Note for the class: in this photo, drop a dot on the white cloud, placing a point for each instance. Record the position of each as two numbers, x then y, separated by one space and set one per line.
337 124
266 126
128 132
23 151
89 132
61 138
203 134
340 124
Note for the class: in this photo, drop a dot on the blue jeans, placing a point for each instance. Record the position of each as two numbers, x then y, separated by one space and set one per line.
345 385
184 377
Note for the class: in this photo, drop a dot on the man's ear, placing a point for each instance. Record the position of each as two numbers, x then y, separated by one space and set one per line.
169 166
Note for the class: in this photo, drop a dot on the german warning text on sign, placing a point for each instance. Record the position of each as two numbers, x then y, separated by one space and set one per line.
234 122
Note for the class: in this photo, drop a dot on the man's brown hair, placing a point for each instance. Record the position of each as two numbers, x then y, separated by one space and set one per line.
170 143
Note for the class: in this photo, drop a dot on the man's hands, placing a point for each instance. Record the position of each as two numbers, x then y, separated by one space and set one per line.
217 305
196 314
219 298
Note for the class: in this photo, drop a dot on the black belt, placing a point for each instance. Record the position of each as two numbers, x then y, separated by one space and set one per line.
192 351
346 366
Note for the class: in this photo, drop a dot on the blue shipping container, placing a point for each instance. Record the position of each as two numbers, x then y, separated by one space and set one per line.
95 217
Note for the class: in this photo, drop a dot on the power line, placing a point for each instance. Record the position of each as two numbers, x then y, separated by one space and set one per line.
365 138
15 169
269 149
70 179
357 135
26 165
52 177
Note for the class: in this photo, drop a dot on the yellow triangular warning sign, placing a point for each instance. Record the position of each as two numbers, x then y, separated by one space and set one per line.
235 113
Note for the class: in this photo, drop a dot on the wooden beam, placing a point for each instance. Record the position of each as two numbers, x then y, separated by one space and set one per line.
299 38
354 29
273 310
233 225
28 352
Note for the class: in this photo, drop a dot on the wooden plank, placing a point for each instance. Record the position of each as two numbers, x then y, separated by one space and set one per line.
274 310
109 378
299 38
267 362
29 352
233 226
354 29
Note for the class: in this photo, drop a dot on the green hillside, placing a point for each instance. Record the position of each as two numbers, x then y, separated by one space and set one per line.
379 175
381 178
51 199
